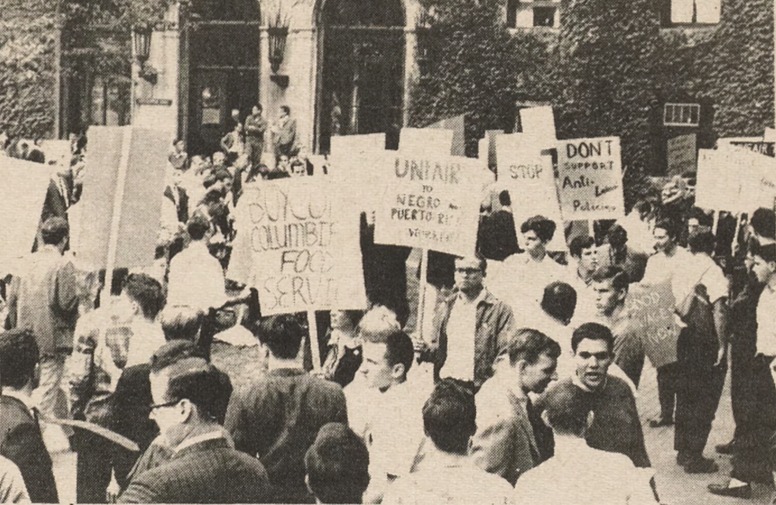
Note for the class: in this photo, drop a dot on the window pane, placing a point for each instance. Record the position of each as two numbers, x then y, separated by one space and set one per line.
681 11
544 16
708 11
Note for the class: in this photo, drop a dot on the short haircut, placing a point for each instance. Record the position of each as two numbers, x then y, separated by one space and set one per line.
54 230
559 300
399 350
766 252
147 292
617 275
529 345
579 244
764 223
354 316
223 175
567 410
543 227
592 331
617 235
449 416
377 324
197 227
181 322
701 242
19 354
174 351
282 334
669 226
699 214
337 465
201 383
478 257
286 109
504 198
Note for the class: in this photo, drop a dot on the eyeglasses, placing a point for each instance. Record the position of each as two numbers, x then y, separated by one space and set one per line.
155 406
469 271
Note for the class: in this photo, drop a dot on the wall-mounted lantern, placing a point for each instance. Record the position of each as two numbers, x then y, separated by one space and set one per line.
141 43
277 36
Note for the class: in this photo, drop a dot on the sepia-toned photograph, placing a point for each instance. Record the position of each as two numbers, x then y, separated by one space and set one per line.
410 252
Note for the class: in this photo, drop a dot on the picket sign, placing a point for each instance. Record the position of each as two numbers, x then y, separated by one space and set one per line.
113 238
539 122
312 337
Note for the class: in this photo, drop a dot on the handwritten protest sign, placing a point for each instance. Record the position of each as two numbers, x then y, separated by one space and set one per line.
590 179
353 161
298 244
766 148
759 183
539 123
529 178
718 185
682 154
25 185
133 196
650 311
430 202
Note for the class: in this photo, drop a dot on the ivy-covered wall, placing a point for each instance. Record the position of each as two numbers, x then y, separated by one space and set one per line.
608 70
28 67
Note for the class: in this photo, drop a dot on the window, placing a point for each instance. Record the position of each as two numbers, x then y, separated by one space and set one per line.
109 102
691 12
681 114
533 13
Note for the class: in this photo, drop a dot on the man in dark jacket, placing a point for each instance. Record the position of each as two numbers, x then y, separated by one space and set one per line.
20 435
497 235
278 416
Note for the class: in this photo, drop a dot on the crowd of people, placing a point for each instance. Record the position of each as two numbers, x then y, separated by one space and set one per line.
523 391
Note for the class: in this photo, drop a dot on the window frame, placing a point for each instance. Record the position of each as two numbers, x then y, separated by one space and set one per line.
674 106
514 7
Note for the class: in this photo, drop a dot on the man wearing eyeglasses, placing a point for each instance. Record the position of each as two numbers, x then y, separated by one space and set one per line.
203 468
470 328
616 426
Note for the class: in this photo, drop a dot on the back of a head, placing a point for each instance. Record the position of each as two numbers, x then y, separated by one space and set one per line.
181 322
767 252
504 198
377 324
559 301
282 335
566 410
337 465
147 292
617 235
54 230
529 345
579 244
399 350
764 223
701 242
592 331
543 227
197 227
201 383
174 351
449 416
19 354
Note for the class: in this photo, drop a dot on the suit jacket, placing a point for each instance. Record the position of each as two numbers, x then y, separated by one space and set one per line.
44 299
206 472
497 237
22 443
56 203
504 443
493 328
182 207
286 133
277 419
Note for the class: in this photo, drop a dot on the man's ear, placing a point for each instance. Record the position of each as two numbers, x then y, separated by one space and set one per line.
398 370
545 418
307 484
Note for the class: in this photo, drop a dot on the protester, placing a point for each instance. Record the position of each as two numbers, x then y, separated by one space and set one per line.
203 468
497 239
43 299
233 143
179 158
471 328
616 426
337 465
255 128
577 473
284 133
504 443
448 474
20 436
618 253
277 417
345 347
585 260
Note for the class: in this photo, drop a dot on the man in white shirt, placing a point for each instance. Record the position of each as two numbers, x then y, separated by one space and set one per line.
449 475
578 474
394 432
663 266
196 277
471 328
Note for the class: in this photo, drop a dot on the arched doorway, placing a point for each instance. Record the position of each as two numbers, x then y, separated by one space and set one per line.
361 83
221 53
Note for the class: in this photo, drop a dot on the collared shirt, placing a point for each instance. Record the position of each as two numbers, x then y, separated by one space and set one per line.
461 328
196 279
766 322
198 439
25 399
661 268
581 475
520 281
